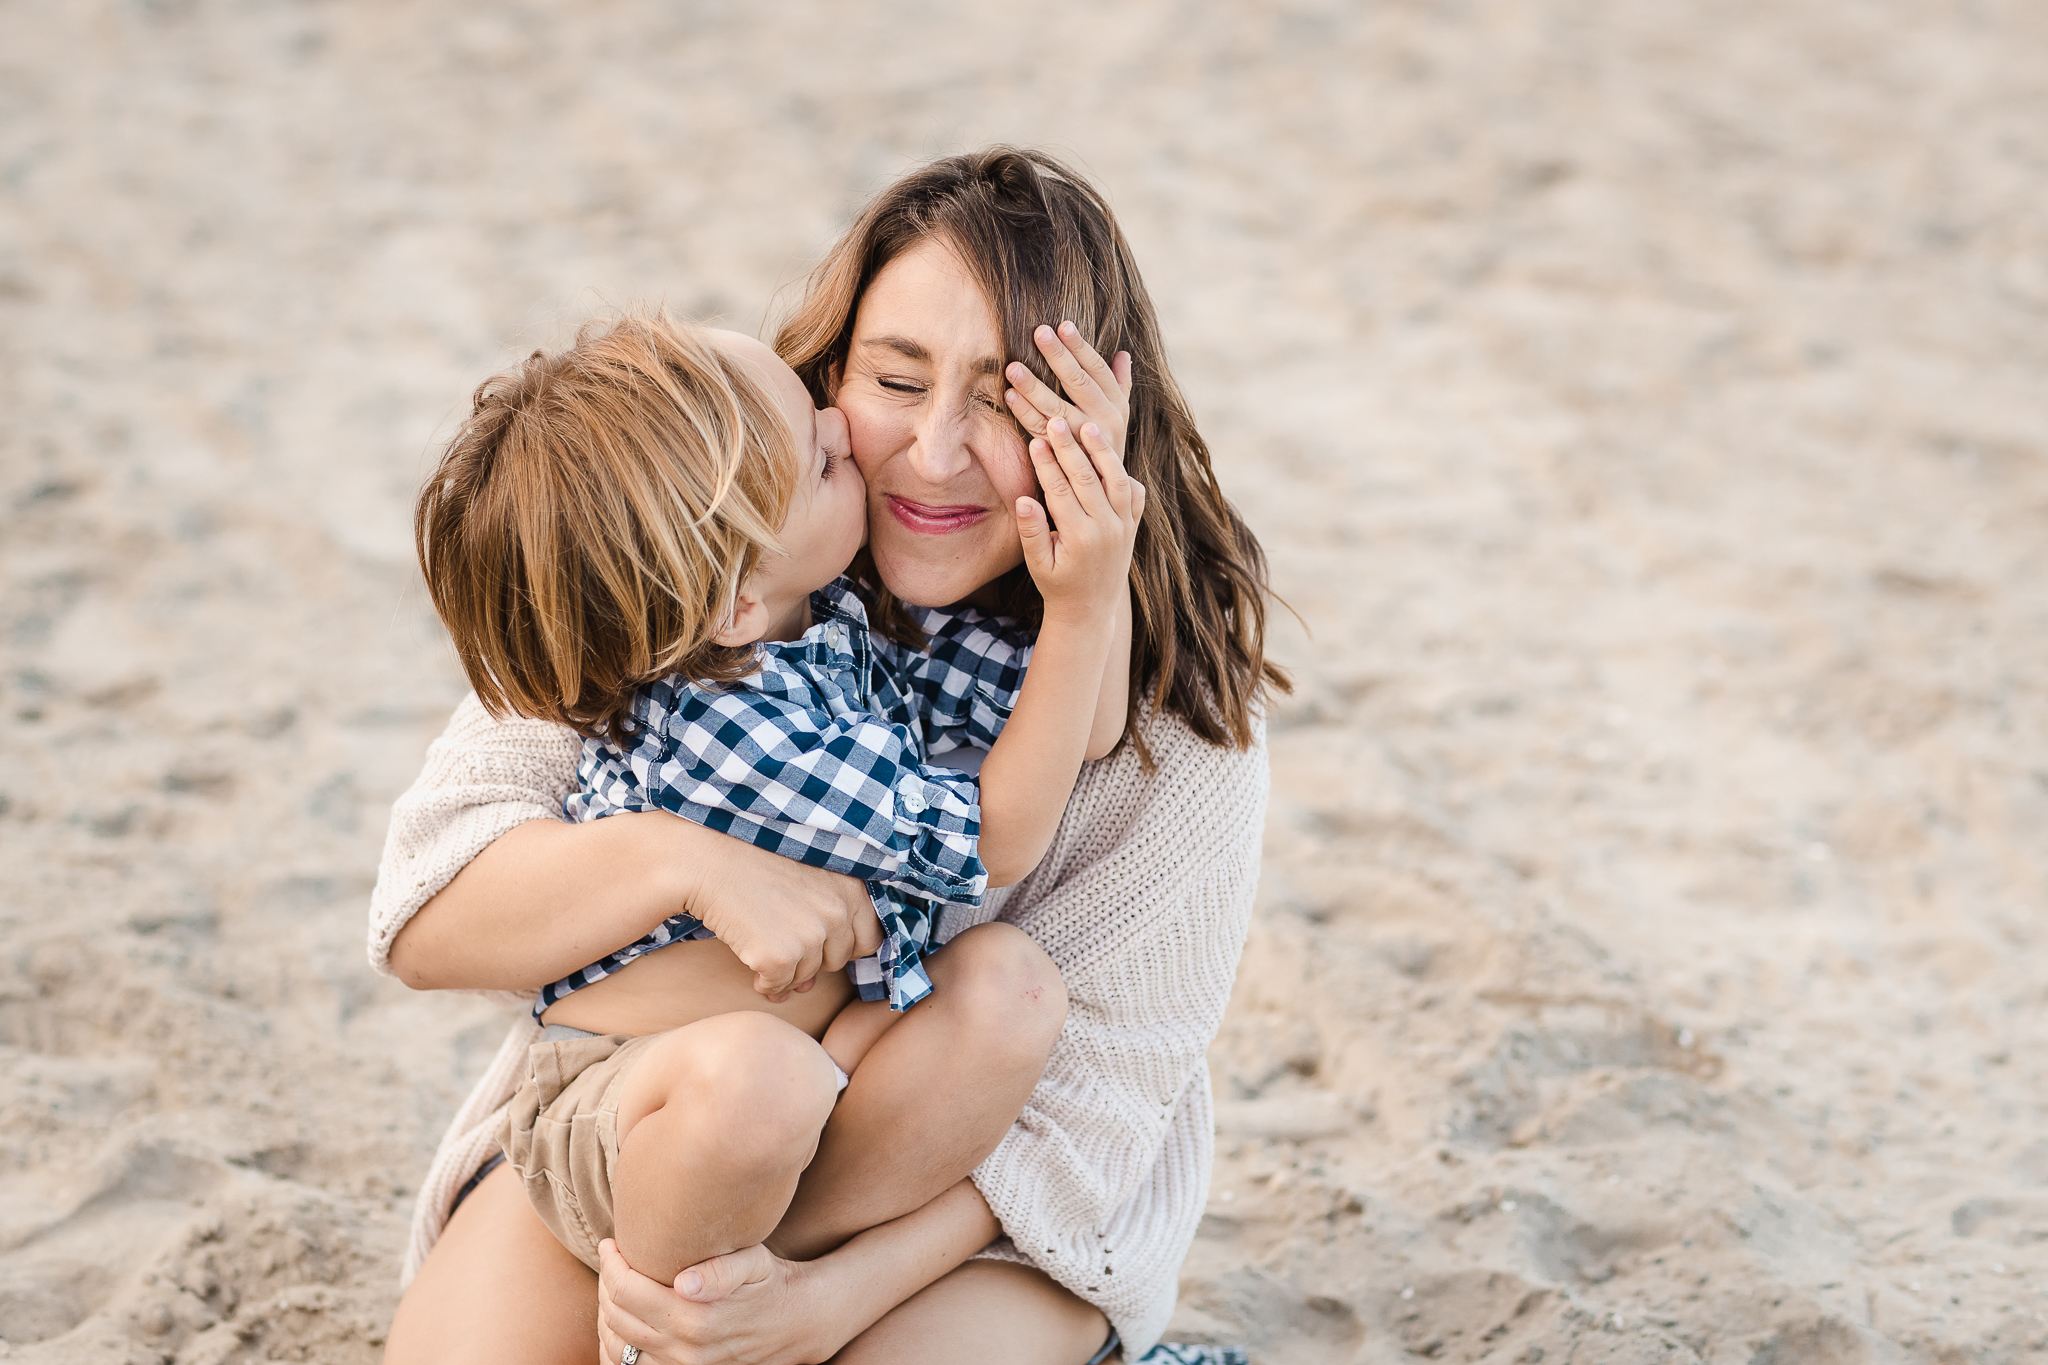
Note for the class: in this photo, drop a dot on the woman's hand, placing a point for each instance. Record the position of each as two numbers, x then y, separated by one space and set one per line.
747 1307
547 897
785 920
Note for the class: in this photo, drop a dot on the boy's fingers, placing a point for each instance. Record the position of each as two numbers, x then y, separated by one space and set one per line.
1035 392
1109 466
1079 468
1028 417
1036 535
1090 359
1053 482
1081 387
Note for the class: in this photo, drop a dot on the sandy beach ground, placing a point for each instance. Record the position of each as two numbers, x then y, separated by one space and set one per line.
1645 406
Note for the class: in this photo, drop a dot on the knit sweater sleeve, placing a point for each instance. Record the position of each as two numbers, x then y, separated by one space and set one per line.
482 777
1147 923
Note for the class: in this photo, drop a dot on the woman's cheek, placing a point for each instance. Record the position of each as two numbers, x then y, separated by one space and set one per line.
1008 466
874 436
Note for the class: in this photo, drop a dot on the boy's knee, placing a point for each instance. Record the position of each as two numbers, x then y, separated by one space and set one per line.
1006 991
756 1085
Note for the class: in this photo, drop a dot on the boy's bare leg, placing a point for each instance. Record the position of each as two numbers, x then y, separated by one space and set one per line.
717 1121
934 1095
855 1030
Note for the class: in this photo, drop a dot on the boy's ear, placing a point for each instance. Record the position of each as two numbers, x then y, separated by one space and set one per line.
749 620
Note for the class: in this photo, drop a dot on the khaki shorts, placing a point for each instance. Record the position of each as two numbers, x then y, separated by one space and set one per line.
561 1134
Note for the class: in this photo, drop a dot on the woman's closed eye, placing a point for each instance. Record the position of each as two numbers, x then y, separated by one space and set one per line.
911 389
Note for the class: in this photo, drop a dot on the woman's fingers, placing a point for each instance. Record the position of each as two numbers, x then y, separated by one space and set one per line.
1121 368
618 1326
722 1276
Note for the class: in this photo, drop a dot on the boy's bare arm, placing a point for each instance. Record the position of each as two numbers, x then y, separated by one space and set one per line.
1030 770
1080 557
1112 703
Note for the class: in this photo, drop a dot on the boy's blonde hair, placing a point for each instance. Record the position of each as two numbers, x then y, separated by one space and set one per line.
589 526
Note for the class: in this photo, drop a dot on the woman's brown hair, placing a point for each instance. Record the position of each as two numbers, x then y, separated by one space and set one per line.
1046 248
589 525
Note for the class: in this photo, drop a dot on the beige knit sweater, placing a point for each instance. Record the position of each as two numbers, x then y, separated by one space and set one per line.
1142 901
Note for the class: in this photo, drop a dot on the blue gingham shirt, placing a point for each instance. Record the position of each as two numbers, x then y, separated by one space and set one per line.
824 755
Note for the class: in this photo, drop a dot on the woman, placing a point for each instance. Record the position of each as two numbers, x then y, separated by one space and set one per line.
1119 947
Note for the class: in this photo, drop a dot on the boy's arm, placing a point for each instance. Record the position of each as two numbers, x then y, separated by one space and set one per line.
1080 557
1113 702
1030 772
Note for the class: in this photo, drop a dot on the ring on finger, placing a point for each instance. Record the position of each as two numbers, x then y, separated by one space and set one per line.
630 1356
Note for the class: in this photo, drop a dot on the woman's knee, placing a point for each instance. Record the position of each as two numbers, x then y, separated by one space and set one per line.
1003 989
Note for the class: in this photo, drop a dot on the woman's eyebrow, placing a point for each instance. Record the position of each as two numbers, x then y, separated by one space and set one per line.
910 349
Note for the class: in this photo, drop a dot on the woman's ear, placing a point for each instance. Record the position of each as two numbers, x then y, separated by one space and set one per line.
747 622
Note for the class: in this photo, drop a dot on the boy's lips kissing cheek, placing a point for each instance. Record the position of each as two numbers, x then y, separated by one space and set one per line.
934 519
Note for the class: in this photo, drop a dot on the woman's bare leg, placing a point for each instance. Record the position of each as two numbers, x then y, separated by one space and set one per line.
996 1311
497 1287
935 1094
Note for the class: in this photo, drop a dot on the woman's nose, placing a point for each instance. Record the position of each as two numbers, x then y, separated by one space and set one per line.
940 451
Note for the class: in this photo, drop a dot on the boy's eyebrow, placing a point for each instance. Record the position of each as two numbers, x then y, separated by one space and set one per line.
911 349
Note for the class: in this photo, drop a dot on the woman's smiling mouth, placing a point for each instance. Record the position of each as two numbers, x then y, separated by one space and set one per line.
934 521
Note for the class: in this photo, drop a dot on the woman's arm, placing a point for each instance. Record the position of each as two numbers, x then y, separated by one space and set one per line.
756 1307
548 897
484 887
545 898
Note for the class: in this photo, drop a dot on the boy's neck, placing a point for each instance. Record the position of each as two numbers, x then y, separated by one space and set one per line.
792 623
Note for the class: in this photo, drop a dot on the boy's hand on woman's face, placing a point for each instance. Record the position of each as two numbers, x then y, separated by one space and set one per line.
1097 391
788 922
1080 558
1080 554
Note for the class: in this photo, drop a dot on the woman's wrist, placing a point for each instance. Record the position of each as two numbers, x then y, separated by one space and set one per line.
836 1309
545 898
867 1277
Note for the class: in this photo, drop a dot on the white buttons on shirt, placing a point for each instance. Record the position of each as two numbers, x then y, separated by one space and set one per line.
912 792
835 636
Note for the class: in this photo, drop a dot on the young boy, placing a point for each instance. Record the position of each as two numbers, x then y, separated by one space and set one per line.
643 538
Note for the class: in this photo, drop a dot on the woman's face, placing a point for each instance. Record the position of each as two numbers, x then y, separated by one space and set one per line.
944 463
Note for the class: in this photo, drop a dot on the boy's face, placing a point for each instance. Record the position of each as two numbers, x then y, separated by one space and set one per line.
828 515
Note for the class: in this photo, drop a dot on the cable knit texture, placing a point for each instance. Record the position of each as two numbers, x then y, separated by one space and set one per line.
1142 901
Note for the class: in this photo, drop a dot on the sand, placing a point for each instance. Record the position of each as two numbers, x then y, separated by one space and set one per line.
1643 406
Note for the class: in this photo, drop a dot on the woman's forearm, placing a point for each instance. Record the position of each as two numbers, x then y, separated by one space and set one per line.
870 1275
546 898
